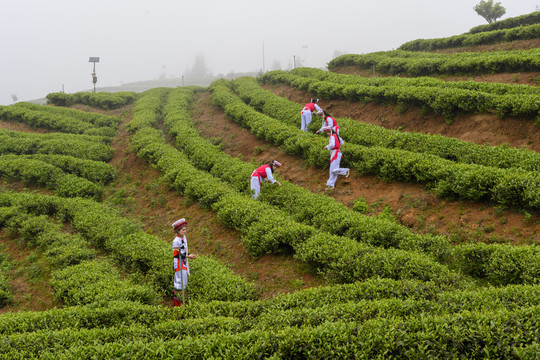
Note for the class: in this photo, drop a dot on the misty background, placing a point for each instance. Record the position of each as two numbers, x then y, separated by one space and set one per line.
46 45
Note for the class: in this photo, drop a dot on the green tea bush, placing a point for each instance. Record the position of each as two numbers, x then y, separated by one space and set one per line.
79 146
97 281
102 100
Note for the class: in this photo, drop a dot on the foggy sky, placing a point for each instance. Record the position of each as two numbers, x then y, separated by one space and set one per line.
46 45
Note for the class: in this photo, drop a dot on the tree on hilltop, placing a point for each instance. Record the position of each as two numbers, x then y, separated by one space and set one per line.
276 65
199 74
489 11
199 68
338 53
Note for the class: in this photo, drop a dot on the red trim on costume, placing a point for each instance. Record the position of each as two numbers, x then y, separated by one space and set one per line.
335 127
182 266
310 107
260 172
337 145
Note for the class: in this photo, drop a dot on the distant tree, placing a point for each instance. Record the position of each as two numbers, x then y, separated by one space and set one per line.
163 75
199 74
276 65
489 11
199 68
289 64
338 53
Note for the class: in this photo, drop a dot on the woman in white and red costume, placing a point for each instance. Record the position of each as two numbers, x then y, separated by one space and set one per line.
180 260
263 173
334 145
310 107
329 123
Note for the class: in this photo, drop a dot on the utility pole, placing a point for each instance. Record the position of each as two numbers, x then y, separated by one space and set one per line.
263 56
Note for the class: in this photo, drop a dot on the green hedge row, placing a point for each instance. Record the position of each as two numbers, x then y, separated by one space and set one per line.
464 335
527 32
364 311
400 62
148 108
371 135
52 121
78 146
444 100
104 100
98 139
117 313
493 89
513 22
365 315
98 281
380 317
500 263
93 118
376 298
442 303
39 173
94 171
34 345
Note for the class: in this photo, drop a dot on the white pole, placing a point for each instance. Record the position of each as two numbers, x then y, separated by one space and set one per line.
182 279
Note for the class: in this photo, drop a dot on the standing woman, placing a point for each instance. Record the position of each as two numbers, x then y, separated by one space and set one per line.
329 123
334 144
310 107
263 173
180 260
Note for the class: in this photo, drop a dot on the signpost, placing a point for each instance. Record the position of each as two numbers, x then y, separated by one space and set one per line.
94 77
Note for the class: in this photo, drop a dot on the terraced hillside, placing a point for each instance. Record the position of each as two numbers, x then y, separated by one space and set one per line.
428 250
